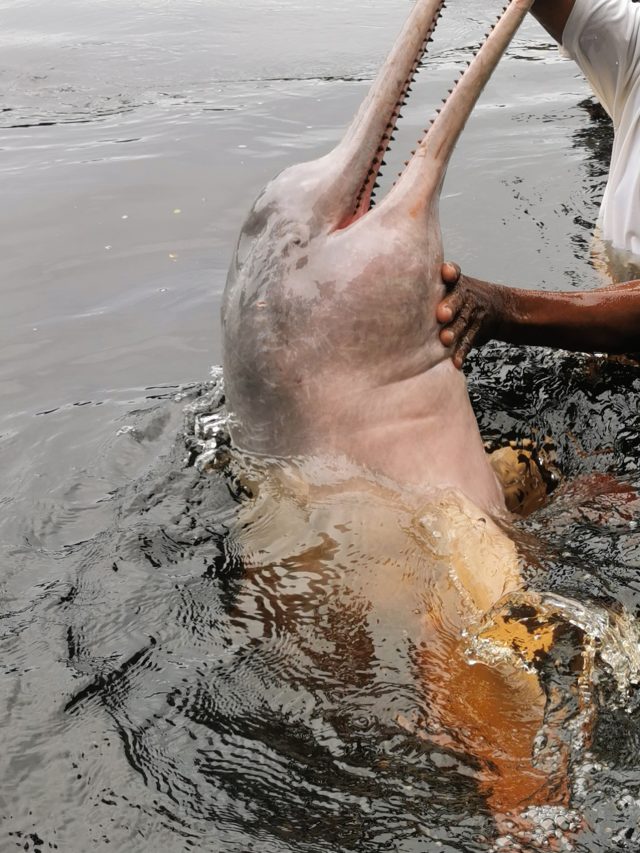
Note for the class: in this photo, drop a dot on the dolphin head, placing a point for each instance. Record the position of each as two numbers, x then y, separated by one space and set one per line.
330 337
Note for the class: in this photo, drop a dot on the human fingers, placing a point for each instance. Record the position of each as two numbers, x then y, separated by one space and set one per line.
449 308
454 331
466 342
450 273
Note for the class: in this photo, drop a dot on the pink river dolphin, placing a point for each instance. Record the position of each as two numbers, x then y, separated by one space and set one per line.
331 351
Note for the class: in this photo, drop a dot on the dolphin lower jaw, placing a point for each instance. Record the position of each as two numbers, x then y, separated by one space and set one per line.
359 157
426 170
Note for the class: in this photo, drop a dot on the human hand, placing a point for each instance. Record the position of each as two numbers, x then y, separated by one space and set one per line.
470 312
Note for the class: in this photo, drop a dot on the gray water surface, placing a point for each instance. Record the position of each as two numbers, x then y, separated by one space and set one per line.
133 138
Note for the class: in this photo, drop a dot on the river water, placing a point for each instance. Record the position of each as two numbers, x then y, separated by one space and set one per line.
133 138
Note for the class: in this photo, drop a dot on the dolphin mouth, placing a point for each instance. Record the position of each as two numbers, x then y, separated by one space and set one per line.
368 138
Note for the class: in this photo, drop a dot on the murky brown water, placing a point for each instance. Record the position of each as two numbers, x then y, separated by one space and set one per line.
133 138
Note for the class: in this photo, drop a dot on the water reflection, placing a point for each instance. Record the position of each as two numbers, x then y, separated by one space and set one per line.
596 137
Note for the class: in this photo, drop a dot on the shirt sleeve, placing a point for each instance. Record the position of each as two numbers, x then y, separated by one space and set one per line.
603 36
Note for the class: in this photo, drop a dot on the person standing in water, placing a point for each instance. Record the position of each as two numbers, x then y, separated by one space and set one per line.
603 37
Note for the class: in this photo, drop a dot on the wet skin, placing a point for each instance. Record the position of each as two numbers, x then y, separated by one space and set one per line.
332 351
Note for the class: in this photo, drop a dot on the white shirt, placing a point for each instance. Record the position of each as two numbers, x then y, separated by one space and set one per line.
603 36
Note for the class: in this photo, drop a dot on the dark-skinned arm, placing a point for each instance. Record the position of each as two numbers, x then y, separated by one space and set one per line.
553 15
475 311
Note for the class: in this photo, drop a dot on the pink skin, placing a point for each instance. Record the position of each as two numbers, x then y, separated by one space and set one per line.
474 311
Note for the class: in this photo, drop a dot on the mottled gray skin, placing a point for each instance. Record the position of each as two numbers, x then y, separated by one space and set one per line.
330 339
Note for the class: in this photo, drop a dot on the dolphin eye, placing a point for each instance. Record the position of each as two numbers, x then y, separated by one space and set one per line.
298 239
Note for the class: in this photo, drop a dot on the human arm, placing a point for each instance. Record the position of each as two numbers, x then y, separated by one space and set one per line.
553 15
602 37
474 311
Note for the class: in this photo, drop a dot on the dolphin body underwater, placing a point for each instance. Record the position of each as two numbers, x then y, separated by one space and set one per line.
334 372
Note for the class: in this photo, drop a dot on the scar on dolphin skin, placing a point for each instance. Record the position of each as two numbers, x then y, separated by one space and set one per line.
331 349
